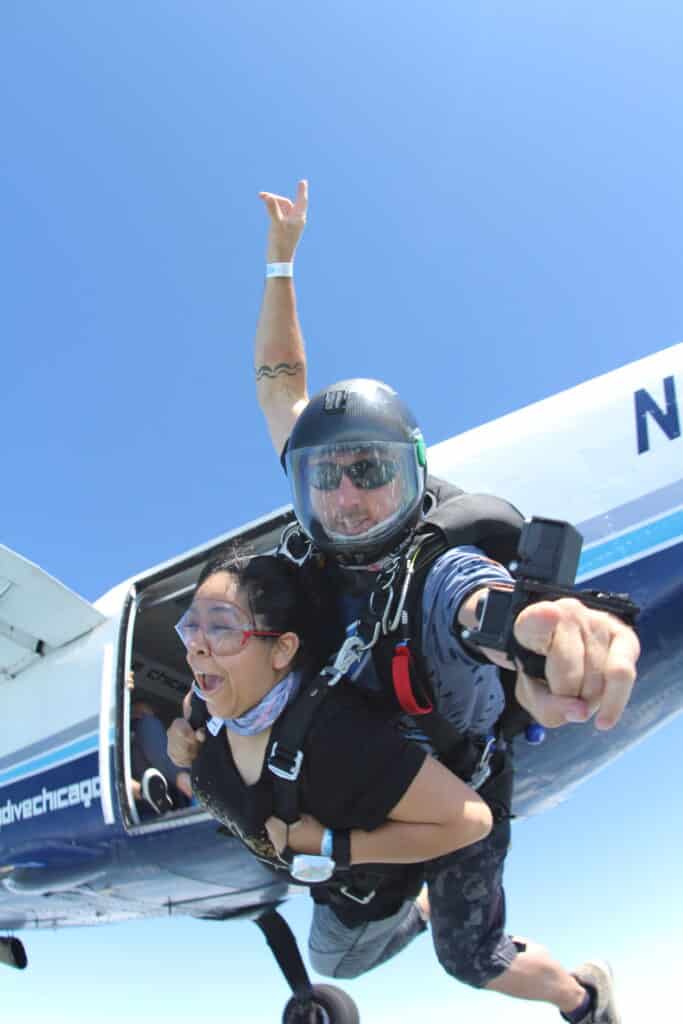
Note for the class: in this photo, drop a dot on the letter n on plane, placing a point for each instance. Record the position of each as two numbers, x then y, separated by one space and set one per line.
666 419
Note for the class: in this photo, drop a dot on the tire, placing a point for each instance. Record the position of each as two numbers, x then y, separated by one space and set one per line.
330 1005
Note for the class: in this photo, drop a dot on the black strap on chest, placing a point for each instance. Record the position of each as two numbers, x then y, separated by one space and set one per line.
285 753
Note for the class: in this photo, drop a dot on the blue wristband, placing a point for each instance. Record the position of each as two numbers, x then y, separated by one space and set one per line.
326 843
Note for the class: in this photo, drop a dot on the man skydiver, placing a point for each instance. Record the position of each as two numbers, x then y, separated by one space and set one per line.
358 482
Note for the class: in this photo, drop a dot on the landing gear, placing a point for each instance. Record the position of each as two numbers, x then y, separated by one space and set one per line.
310 1004
12 952
326 1005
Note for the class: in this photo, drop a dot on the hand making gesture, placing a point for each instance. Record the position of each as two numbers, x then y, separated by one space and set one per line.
287 221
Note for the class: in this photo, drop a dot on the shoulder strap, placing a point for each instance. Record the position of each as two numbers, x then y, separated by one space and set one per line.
285 755
439 490
484 520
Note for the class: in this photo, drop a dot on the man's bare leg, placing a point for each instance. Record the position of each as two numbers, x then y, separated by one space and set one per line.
534 975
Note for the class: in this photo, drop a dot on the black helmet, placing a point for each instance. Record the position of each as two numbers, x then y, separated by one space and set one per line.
356 464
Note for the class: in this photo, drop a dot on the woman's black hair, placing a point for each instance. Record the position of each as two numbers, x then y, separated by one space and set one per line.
284 597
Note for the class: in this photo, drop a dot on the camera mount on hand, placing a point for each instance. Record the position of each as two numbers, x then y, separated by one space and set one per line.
547 559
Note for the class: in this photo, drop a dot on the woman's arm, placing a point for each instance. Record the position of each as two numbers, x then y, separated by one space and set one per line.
437 814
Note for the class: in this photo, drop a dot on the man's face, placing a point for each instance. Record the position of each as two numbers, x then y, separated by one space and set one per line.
352 492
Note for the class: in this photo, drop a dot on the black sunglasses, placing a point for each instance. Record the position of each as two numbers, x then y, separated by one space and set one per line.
365 474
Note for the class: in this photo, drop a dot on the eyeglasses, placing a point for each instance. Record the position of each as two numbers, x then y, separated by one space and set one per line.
221 626
365 474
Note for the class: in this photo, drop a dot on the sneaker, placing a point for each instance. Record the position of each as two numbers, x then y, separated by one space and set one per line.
597 975
155 791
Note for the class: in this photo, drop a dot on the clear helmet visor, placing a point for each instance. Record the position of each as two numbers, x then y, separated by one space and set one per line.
352 498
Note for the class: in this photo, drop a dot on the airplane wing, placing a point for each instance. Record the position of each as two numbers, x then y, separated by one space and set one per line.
38 614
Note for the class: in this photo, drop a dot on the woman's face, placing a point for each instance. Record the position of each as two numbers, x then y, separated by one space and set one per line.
234 683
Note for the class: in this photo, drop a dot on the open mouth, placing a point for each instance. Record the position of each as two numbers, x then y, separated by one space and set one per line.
209 684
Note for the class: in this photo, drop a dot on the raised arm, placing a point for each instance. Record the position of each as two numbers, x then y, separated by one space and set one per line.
279 356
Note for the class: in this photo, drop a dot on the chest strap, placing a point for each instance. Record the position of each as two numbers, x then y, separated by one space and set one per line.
285 753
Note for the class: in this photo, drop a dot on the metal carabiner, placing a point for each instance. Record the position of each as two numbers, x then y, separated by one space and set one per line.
410 569
483 770
348 654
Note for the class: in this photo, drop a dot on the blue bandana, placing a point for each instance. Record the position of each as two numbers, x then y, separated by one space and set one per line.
260 717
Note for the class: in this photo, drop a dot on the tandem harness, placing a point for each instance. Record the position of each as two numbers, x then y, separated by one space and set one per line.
546 553
391 629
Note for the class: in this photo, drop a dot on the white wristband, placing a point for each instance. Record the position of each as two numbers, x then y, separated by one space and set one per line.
279 270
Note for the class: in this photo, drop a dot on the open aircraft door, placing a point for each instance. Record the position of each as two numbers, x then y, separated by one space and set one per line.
152 666
151 669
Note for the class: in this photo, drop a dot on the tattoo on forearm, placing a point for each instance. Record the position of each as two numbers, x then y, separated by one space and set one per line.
279 370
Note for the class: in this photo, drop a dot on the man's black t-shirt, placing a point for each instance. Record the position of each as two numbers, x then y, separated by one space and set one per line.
356 768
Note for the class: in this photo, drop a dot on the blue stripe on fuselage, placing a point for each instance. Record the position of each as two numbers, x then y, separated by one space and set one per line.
632 544
53 758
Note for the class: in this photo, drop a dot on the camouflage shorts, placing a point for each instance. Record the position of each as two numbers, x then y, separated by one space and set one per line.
468 910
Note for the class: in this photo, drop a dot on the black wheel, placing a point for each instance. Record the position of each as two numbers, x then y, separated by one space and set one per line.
329 1005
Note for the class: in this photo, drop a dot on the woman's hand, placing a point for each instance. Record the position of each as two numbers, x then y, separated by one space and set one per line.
184 743
305 835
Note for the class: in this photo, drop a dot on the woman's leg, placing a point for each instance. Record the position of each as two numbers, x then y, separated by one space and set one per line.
339 951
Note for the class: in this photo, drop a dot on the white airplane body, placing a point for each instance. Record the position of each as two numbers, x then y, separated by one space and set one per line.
606 455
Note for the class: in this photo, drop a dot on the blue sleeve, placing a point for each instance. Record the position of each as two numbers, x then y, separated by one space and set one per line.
151 736
466 685
454 576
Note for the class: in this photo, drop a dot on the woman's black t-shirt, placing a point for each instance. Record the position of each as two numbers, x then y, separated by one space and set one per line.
356 768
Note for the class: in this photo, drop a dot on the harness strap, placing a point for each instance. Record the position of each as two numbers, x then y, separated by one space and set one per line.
285 751
391 615
494 525
403 687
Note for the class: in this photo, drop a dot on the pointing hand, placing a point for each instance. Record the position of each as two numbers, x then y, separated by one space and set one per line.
590 663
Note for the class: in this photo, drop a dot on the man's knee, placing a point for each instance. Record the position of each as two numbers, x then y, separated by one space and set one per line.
464 971
477 968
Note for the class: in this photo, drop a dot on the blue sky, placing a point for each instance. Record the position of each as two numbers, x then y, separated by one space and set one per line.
495 216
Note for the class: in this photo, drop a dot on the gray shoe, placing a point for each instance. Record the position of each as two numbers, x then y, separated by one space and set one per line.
598 975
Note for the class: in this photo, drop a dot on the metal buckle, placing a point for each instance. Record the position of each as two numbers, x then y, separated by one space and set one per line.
290 773
290 532
311 868
345 891
483 770
347 655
